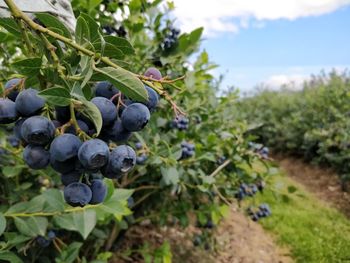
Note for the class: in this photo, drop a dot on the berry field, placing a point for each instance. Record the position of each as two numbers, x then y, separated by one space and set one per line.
114 148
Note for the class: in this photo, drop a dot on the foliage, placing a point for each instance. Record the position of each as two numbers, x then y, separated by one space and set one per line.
165 187
312 230
312 123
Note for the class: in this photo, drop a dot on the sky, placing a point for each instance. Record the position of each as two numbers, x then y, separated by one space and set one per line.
273 42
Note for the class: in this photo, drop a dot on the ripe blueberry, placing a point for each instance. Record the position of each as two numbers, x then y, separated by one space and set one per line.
116 133
8 112
82 125
135 117
14 85
65 147
71 177
36 157
99 191
122 159
105 89
65 166
62 114
107 108
77 194
28 103
93 154
37 130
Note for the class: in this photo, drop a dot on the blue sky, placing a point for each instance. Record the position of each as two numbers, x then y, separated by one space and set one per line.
277 47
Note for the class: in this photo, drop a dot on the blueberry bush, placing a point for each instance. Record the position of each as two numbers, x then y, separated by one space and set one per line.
110 125
311 123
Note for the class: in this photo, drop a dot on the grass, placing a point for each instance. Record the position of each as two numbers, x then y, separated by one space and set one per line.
313 231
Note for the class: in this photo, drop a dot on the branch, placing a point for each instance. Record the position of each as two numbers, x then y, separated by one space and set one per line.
217 170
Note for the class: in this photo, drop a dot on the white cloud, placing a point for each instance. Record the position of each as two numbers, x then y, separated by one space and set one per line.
216 16
294 81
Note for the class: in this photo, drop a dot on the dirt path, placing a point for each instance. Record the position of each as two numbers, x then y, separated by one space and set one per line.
238 240
324 183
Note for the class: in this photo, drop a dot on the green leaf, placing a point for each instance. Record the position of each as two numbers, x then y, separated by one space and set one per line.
123 194
10 25
109 50
56 96
11 171
125 81
88 108
2 223
121 45
52 22
82 32
170 175
81 221
69 254
28 66
93 27
11 257
54 200
93 113
31 226
87 69
18 208
85 221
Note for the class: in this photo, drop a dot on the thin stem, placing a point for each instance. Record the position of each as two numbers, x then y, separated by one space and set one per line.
69 210
217 170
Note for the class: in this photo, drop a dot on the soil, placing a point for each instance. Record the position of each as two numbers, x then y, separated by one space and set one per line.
322 182
238 240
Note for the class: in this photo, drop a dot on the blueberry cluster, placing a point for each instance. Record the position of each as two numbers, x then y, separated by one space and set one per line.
142 158
188 150
57 142
170 39
46 241
111 30
246 190
262 211
262 150
181 123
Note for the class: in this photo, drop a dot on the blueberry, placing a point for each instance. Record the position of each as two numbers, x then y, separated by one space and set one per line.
107 108
62 114
153 73
131 202
135 117
122 159
71 177
13 84
56 123
93 154
153 99
116 133
105 89
255 217
28 103
65 147
77 194
17 129
36 157
43 242
37 130
210 224
8 112
138 146
65 166
51 235
99 191
13 141
140 160
82 125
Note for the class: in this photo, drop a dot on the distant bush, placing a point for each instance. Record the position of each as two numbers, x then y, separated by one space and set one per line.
313 123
